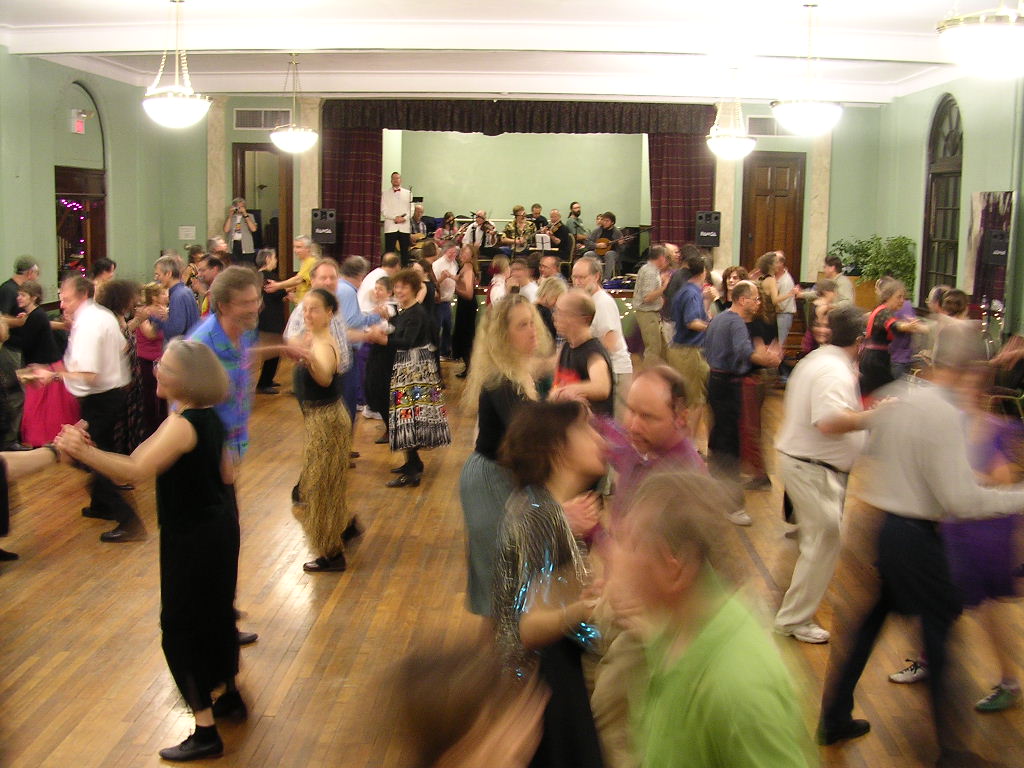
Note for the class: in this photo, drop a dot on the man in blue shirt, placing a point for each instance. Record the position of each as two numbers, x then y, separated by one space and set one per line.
685 352
182 310
730 354
353 270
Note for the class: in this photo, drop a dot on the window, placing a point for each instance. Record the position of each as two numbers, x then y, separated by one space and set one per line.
942 202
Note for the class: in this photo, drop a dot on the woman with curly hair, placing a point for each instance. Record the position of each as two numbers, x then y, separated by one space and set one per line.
511 342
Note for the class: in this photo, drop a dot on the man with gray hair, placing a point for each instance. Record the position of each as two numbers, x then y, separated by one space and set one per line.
240 226
25 269
353 271
820 438
182 310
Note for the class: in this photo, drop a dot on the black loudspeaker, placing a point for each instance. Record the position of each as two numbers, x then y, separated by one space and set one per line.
995 245
325 226
708 233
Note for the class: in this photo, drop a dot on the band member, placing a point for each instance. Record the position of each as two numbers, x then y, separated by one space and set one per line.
418 225
482 234
394 209
561 238
606 237
576 227
536 216
519 233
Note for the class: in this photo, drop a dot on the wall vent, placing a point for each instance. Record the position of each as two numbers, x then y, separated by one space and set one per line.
765 126
261 119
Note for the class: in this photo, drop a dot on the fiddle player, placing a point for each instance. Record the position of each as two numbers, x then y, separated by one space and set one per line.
482 234
561 239
605 233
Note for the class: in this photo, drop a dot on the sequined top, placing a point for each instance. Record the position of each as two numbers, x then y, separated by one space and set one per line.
539 563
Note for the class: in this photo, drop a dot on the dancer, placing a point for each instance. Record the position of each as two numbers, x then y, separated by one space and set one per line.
198 532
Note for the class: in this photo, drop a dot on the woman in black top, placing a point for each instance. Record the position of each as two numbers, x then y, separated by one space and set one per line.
512 339
406 380
272 320
323 487
198 535
464 329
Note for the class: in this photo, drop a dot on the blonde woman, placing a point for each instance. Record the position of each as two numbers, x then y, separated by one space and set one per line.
198 535
511 340
547 295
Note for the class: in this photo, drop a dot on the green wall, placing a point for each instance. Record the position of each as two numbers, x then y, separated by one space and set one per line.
853 195
463 172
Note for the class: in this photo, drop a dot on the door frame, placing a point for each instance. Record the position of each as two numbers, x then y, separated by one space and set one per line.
285 196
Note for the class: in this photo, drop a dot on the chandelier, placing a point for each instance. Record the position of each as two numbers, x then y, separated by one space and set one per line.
292 137
177 105
807 116
987 43
728 137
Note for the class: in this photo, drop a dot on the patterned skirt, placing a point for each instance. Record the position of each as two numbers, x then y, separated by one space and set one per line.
417 416
324 483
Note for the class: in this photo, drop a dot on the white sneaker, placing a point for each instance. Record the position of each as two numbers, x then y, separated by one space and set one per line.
806 633
739 517
915 672
372 415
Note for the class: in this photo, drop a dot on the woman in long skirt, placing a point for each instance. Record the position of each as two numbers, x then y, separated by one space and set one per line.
198 536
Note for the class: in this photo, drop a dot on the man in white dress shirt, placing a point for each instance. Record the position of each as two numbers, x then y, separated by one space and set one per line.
395 206
446 269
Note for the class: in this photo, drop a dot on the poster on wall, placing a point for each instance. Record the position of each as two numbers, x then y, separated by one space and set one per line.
985 272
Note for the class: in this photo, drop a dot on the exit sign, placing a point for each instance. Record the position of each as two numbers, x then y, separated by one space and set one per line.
78 121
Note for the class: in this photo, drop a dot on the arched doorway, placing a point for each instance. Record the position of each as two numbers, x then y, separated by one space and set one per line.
940 252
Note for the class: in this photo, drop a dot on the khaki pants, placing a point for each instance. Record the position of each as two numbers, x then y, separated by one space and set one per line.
654 341
690 363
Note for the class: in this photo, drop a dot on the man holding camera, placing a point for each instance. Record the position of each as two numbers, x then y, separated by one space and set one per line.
239 226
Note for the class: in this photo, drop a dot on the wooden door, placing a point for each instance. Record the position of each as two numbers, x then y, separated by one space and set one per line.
773 207
274 234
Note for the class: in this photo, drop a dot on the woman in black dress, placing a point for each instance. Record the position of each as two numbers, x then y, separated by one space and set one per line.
198 536
464 330
272 322
416 414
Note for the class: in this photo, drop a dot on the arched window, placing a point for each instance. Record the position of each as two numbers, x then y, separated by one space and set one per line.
942 204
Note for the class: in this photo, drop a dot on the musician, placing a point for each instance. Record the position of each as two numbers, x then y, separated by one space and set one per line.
448 231
418 223
606 230
394 209
561 238
519 233
482 234
537 217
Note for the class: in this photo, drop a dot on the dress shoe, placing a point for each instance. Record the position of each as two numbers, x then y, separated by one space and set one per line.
6 556
247 638
382 440
353 531
851 729
326 564
353 454
123 533
193 749
296 496
88 512
230 707
404 481
399 470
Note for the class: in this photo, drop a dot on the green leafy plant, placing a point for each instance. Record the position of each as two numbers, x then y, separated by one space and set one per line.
876 257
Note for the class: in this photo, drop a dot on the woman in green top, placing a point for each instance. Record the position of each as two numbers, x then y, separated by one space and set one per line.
198 535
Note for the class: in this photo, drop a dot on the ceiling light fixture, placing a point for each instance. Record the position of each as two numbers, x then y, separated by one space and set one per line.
175 106
728 137
292 137
808 116
986 43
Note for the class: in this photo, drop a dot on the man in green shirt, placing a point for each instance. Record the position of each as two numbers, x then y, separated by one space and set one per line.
717 694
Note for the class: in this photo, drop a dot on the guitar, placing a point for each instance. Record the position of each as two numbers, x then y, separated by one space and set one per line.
603 245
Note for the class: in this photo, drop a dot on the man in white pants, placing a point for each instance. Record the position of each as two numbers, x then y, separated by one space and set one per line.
818 442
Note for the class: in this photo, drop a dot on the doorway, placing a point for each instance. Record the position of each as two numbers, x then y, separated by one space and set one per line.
81 218
773 207
262 174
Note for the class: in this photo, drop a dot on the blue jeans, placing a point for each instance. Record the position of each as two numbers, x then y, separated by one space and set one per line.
443 312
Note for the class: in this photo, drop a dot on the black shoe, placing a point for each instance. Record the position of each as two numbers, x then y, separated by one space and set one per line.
462 374
382 440
325 564
88 512
123 533
192 749
6 556
404 481
400 470
353 454
851 729
296 496
247 638
125 487
230 707
353 531
266 390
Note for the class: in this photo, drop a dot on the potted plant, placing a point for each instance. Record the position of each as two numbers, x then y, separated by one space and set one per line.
875 257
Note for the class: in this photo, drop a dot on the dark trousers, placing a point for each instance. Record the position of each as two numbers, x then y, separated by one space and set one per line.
915 581
444 324
267 373
240 259
398 242
726 400
102 412
154 408
350 384
14 397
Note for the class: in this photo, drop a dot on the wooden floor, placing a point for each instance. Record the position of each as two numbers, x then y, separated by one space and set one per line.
83 681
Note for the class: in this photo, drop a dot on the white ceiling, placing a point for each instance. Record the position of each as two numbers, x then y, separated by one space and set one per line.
871 50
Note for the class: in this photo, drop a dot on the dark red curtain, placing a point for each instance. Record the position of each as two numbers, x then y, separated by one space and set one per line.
682 183
351 184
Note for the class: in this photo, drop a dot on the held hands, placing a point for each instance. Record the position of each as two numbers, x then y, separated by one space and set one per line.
583 513
775 354
73 440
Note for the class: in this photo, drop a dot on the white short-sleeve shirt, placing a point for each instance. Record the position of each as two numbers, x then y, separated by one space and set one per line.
96 345
606 318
